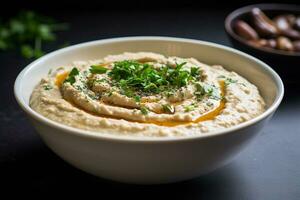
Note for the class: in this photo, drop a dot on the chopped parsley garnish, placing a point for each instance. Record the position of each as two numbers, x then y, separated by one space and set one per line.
189 108
229 81
134 78
50 71
102 80
210 91
169 93
98 69
47 87
200 91
195 72
144 110
209 104
110 93
137 98
167 108
71 77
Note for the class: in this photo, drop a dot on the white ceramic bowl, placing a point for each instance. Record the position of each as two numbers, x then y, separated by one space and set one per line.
157 160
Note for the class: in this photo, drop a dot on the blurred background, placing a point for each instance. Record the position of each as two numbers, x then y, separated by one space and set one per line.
268 169
88 5
90 19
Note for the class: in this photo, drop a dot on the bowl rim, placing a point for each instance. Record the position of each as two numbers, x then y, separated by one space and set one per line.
264 6
120 138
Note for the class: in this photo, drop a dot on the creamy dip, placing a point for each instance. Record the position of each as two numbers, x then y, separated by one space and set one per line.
146 94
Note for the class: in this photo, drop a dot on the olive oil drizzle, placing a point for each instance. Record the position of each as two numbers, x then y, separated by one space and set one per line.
207 116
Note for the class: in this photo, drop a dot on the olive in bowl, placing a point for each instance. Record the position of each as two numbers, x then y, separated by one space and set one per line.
269 32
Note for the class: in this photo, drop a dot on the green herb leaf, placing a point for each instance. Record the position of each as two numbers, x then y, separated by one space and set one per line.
200 91
212 92
209 104
47 87
189 108
196 73
137 98
144 110
110 93
229 81
45 33
169 93
206 90
71 77
167 108
98 69
27 51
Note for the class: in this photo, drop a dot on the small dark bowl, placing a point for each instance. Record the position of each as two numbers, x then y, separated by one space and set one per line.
287 64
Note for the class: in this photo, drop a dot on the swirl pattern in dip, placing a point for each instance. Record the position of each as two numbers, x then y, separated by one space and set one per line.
146 94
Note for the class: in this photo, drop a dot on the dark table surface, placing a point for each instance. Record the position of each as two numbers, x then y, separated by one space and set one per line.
268 169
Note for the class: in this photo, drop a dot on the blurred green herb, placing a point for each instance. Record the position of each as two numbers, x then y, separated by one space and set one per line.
167 108
27 32
144 110
229 81
210 91
48 87
189 108
137 98
98 69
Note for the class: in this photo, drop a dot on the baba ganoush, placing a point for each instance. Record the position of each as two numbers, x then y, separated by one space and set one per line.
146 94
